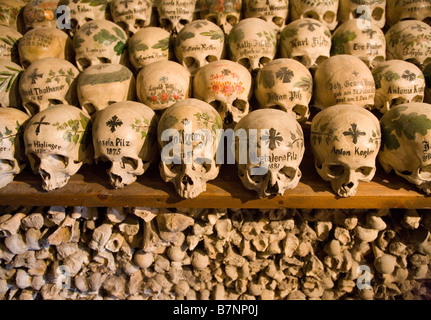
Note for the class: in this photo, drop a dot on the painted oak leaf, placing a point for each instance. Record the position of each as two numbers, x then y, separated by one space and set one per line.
104 37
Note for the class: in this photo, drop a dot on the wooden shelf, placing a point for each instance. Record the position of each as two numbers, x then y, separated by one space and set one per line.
91 188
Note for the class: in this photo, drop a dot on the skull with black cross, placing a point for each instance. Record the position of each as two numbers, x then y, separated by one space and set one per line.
323 10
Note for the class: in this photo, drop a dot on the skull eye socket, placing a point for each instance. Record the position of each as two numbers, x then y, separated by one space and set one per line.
58 161
335 170
6 165
190 62
320 59
212 18
300 111
25 64
264 60
84 63
232 20
329 16
241 105
245 62
256 178
175 168
365 171
139 23
31 108
289 172
211 58
378 13
166 23
54 101
415 62
216 104
184 21
311 15
279 21
418 98
425 172
302 59
129 164
104 60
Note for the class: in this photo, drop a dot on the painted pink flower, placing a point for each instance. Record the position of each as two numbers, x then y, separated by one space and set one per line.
154 98
176 95
227 89
216 87
164 96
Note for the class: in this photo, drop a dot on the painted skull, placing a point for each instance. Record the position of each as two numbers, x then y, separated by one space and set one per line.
57 143
323 10
82 11
397 82
149 45
349 9
163 83
306 40
10 9
345 140
12 159
224 13
105 84
199 43
369 45
409 40
273 11
131 15
125 136
99 42
189 148
40 13
406 149
285 84
343 79
405 10
252 43
174 15
46 82
427 74
9 94
9 44
226 85
44 42
279 147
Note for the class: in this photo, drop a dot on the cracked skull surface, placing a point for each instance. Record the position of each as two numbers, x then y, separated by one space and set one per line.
278 147
345 140
351 9
12 159
406 138
125 135
397 82
323 10
57 143
224 13
226 85
189 148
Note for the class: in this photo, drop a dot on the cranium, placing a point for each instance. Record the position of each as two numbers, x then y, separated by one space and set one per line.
44 42
323 10
285 84
403 10
224 13
343 79
345 140
199 43
9 95
279 148
226 85
252 43
306 40
149 45
99 42
188 157
174 15
427 74
131 15
46 82
125 135
397 82
406 149
273 11
409 40
368 44
57 143
348 10
82 11
163 83
40 13
10 9
105 84
12 160
9 44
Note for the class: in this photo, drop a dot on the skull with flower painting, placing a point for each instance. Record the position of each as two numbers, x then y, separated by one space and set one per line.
9 12
307 41
323 10
285 84
9 44
224 13
368 44
397 82
163 83
406 138
188 139
125 136
174 15
57 143
353 9
252 43
9 81
343 79
273 11
132 15
409 40
406 10
99 42
268 151
40 13
199 43
226 85
12 159
46 82
345 141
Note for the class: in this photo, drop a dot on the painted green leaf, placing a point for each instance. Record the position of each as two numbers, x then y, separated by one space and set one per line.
338 41
186 35
104 37
119 48
77 41
219 122
237 35
214 34
119 32
162 44
144 134
170 121
267 79
289 32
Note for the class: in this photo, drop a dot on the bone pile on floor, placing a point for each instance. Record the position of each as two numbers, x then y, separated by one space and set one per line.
154 254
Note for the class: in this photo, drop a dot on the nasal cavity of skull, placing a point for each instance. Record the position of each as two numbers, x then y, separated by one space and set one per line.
129 164
415 62
304 60
191 63
104 60
329 16
6 165
365 171
32 108
335 170
187 180
245 62
84 63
